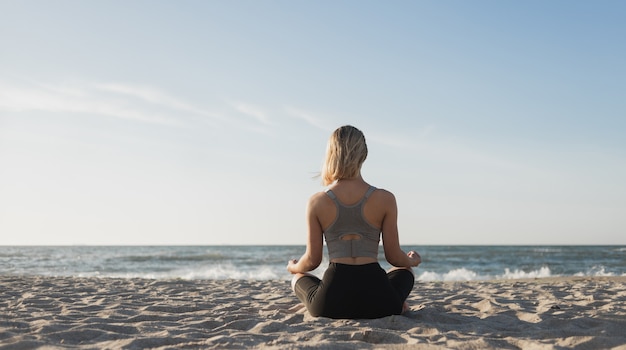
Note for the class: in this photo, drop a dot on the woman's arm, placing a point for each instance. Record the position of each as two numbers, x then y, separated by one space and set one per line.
312 257
391 242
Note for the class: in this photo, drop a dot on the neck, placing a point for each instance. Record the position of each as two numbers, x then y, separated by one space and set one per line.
352 179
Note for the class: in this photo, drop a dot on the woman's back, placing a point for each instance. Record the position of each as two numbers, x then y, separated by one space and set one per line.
351 235
348 193
351 215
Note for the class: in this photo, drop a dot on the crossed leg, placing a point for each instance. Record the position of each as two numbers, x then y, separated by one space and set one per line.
296 277
405 304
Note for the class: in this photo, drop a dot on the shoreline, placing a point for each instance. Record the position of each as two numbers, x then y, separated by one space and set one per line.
103 312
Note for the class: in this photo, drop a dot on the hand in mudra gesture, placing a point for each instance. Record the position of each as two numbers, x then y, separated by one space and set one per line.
415 258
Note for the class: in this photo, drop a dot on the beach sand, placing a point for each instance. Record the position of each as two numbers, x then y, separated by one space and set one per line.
106 313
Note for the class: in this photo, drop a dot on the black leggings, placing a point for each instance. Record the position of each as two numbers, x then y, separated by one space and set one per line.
355 291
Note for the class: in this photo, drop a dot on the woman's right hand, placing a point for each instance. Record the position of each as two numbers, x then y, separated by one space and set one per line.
415 258
291 264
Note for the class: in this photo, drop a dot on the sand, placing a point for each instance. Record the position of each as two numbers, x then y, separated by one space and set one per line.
105 313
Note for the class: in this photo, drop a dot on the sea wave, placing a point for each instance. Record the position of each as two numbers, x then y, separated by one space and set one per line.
215 272
268 262
171 257
596 270
268 272
547 250
461 274
464 274
543 272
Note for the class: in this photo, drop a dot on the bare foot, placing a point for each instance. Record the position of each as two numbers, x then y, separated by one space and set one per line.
405 308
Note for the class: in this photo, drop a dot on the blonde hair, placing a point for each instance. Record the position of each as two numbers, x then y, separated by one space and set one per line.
345 153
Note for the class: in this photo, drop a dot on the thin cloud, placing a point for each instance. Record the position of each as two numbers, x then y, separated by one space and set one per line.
310 118
425 142
394 140
252 111
154 96
111 100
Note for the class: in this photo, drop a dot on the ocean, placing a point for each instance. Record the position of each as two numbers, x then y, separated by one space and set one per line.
439 263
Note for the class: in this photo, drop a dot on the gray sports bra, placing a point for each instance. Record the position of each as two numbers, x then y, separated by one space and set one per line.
350 221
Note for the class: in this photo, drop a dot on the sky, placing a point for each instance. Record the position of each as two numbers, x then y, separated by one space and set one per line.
205 122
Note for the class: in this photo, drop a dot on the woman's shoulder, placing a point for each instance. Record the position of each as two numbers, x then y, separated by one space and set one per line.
383 192
319 197
384 195
319 202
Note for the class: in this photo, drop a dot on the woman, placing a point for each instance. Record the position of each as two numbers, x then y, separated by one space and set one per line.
351 215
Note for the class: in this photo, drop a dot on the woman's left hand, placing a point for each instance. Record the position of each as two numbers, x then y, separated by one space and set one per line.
416 259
